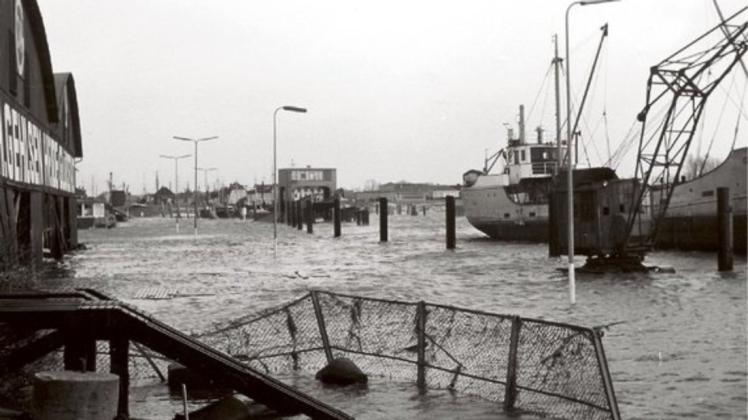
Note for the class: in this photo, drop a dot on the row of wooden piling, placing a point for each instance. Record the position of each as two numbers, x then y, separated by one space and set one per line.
298 213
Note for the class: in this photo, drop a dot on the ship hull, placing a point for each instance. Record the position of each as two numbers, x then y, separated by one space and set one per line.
690 223
691 219
489 209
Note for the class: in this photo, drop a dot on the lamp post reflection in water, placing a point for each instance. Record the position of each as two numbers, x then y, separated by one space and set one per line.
275 170
176 182
196 141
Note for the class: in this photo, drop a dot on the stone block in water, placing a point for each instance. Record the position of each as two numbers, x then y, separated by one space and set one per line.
68 395
341 371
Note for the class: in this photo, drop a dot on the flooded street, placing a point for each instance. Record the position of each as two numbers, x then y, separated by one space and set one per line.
677 349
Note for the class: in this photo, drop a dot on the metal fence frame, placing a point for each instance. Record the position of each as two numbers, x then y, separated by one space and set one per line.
513 387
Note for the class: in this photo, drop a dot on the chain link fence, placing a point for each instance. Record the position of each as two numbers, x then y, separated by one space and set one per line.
532 365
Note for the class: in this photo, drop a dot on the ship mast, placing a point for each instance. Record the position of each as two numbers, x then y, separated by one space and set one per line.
556 65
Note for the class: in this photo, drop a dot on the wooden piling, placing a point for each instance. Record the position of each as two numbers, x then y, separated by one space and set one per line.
358 216
309 216
23 226
72 205
366 216
299 215
80 349
118 365
336 217
424 210
383 219
37 227
724 217
450 205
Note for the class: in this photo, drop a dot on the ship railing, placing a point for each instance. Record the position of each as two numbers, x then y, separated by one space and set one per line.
545 168
550 368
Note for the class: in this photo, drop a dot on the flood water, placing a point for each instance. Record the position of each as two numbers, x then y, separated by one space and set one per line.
678 348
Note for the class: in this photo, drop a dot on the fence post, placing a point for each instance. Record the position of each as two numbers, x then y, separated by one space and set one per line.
724 217
321 325
510 394
383 210
421 332
336 217
602 364
450 205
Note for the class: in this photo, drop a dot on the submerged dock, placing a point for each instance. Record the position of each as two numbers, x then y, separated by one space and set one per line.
75 321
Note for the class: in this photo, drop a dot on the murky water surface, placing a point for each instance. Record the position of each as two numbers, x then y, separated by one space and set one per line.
678 351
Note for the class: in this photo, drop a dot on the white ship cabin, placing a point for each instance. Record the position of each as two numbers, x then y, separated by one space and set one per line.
529 160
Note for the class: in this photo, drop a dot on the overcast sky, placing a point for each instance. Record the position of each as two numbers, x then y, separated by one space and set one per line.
396 89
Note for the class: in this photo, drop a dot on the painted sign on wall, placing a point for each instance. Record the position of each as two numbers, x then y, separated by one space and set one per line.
30 155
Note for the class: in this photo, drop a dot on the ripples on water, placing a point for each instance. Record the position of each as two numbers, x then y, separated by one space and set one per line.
680 350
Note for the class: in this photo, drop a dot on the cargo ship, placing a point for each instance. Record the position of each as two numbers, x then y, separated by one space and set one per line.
513 203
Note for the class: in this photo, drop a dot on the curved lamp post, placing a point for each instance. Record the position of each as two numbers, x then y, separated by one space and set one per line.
569 161
196 141
275 169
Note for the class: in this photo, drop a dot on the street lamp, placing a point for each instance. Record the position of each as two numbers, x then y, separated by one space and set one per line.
205 175
176 182
569 161
196 141
275 169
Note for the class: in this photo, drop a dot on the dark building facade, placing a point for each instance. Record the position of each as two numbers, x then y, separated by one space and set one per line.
39 140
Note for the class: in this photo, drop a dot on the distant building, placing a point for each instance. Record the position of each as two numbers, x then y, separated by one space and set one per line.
163 196
409 192
298 183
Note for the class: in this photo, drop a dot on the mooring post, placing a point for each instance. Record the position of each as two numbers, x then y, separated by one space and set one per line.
450 204
309 216
79 353
510 390
118 363
724 216
421 333
336 217
383 219
321 324
292 214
